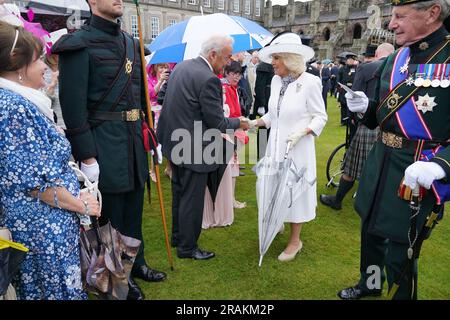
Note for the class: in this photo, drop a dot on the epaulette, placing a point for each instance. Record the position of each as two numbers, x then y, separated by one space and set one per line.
68 43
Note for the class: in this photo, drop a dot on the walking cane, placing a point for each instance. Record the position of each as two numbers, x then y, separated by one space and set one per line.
416 244
150 123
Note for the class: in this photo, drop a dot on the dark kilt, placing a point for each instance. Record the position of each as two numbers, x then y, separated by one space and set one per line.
358 150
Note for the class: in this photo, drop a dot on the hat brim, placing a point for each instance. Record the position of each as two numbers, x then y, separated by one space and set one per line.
265 54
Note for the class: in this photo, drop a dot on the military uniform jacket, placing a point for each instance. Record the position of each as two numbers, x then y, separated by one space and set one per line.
378 198
89 61
347 77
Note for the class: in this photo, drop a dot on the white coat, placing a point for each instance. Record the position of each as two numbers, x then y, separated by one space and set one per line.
302 107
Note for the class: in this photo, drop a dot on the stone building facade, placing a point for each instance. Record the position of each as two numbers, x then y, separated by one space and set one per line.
157 15
333 26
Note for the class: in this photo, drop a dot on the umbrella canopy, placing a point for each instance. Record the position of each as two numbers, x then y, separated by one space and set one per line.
278 186
183 40
107 257
62 6
11 256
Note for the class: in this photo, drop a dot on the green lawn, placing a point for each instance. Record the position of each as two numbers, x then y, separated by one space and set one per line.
328 262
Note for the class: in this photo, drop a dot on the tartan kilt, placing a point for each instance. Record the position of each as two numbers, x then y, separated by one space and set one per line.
358 150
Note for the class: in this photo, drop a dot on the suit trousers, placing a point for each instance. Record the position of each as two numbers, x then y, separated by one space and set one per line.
378 253
188 196
124 210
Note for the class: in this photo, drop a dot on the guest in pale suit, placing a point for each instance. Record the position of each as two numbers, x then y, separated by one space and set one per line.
296 115
194 101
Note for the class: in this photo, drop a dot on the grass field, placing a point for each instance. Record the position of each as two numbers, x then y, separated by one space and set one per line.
328 262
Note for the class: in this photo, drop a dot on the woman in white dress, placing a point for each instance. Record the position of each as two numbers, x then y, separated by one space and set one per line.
296 115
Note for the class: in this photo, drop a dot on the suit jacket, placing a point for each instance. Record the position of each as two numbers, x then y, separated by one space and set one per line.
193 102
365 79
264 74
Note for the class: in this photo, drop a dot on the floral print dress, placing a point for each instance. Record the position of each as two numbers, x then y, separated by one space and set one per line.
34 156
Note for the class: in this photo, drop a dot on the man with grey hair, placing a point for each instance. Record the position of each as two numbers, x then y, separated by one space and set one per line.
405 179
193 102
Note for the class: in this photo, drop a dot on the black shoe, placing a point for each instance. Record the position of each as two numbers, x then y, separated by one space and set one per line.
241 173
198 254
148 274
134 292
241 167
354 293
330 201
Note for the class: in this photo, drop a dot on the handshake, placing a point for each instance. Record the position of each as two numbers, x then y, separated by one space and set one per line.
247 124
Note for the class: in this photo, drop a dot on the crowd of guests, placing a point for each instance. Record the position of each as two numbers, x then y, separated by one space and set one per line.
47 118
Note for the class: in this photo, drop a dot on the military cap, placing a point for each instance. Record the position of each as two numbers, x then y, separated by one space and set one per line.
404 2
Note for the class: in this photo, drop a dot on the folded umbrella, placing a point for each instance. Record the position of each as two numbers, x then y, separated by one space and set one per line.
278 186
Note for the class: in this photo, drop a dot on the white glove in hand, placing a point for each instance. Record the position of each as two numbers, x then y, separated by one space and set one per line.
358 102
423 173
261 111
296 136
92 171
159 152
252 124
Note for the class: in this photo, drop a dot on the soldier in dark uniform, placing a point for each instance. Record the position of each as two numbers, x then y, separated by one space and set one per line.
347 77
102 99
364 139
411 108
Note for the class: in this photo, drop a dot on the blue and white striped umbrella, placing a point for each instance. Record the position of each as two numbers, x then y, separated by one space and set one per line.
183 40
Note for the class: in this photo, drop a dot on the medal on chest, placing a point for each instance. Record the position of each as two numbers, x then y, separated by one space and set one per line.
436 82
445 81
426 103
429 71
418 82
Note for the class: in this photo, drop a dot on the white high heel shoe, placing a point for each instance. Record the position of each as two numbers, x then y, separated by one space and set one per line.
289 257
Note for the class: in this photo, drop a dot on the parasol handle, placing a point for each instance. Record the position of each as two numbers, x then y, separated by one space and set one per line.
288 148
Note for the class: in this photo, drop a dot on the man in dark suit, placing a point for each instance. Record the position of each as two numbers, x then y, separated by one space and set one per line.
193 104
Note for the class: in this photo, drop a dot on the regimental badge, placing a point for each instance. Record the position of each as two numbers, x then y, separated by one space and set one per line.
392 102
426 103
424 46
128 66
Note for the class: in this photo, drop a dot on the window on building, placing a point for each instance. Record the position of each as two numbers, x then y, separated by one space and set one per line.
172 22
247 7
192 2
326 34
155 27
357 31
235 5
258 8
207 3
221 4
134 26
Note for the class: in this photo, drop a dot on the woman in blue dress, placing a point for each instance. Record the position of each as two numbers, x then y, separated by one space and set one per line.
39 192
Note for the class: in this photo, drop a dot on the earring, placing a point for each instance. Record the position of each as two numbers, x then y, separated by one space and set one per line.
20 78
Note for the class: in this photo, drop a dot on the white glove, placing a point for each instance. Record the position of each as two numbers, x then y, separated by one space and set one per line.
358 102
423 173
261 111
252 124
296 136
158 153
92 171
